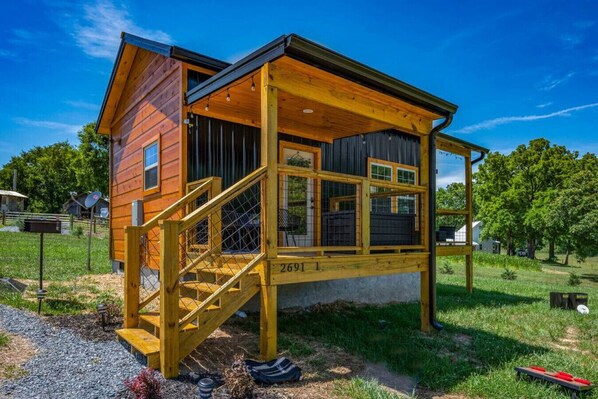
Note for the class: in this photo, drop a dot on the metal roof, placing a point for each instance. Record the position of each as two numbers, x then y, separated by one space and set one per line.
463 143
321 57
174 52
12 194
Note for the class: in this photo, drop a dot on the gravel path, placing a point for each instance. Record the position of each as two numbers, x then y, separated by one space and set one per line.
66 366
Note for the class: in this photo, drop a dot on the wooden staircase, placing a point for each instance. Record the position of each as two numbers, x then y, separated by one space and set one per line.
202 281
144 340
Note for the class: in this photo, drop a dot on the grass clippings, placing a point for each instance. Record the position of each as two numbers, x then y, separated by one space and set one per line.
14 352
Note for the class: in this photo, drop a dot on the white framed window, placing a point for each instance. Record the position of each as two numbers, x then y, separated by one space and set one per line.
406 203
151 166
380 171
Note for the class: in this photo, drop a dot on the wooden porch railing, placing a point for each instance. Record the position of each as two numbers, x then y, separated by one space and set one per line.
362 198
133 240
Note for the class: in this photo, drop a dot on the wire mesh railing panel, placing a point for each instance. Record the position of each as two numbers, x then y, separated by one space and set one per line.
395 217
451 230
340 214
216 248
149 263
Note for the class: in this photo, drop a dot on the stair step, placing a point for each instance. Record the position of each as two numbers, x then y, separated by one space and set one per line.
153 318
207 288
189 304
141 340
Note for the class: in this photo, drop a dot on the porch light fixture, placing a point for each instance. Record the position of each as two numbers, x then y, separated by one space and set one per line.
308 111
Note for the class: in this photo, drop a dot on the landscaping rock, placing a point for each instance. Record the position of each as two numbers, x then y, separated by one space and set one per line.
66 365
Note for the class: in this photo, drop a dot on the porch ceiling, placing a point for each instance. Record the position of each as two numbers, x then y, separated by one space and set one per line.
340 107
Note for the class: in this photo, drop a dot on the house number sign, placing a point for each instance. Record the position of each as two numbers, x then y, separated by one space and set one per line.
298 267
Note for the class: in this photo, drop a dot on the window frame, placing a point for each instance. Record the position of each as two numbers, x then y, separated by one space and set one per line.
144 147
395 167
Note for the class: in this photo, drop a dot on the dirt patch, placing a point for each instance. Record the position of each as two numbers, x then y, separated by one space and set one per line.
570 342
112 283
550 271
88 326
12 356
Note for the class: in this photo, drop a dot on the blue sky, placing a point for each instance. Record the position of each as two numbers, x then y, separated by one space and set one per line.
518 70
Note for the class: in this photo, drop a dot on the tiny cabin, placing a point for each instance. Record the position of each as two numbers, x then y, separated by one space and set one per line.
11 201
292 176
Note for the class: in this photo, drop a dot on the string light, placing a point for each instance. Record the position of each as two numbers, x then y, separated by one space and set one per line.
252 84
227 95
207 108
362 139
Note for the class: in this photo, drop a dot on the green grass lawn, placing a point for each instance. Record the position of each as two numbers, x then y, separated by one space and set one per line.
65 259
486 334
65 256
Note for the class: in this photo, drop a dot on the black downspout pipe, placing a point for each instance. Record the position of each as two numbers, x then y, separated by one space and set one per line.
432 220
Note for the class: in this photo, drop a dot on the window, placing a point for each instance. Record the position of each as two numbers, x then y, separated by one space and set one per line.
151 158
398 173
406 203
380 171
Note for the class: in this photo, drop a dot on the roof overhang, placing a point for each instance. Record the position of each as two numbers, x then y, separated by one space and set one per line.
124 58
458 143
306 51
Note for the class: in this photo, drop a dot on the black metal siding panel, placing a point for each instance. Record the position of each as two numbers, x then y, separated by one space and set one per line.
231 150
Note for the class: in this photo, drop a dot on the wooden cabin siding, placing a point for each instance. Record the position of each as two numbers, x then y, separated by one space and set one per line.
150 107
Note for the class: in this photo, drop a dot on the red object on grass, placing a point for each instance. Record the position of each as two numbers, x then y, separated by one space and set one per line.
564 374
538 368
582 381
563 377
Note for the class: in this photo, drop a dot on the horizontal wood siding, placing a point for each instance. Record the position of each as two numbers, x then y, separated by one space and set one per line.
150 106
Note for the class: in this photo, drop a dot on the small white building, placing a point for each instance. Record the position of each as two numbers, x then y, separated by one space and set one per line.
488 245
11 201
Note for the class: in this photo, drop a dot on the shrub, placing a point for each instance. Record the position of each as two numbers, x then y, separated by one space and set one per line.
447 268
237 379
20 223
509 274
574 279
146 385
77 231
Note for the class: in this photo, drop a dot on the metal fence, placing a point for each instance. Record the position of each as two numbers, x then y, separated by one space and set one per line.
67 221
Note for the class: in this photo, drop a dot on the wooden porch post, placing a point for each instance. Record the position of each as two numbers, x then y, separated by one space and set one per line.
169 298
424 225
132 276
269 158
468 225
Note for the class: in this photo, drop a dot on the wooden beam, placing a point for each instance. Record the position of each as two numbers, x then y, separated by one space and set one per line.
132 276
118 84
365 216
303 269
310 83
453 250
269 158
169 298
293 128
453 148
268 322
452 211
468 224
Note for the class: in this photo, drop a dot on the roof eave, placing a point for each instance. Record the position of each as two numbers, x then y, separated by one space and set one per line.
314 54
463 143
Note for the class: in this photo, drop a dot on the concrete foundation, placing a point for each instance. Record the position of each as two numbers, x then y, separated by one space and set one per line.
376 290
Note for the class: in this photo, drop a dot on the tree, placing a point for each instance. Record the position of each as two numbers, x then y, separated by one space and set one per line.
92 160
46 176
516 188
451 197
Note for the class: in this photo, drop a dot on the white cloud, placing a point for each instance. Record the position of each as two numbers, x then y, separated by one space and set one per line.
98 33
82 104
544 105
492 123
51 125
445 180
550 82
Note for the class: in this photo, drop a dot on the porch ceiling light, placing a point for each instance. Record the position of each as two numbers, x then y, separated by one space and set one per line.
308 111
